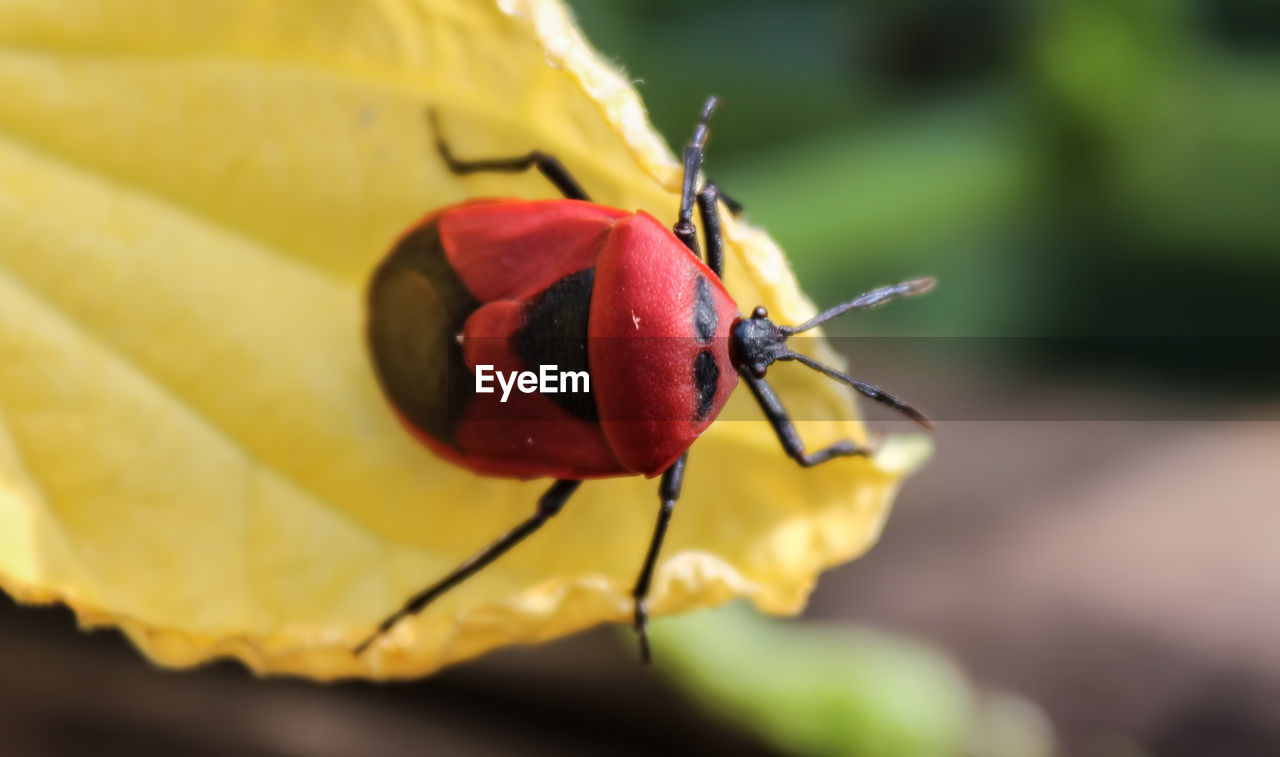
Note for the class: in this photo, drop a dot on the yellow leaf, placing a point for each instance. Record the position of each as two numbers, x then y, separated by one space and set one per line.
192 443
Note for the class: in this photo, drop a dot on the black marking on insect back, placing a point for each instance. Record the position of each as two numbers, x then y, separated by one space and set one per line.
555 333
706 375
705 319
417 307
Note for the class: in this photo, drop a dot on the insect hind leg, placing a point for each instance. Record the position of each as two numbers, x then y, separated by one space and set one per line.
548 165
548 505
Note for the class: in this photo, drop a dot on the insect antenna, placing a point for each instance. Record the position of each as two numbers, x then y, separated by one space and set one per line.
864 301
869 391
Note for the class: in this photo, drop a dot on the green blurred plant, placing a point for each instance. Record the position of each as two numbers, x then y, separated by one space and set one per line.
1037 157
826 690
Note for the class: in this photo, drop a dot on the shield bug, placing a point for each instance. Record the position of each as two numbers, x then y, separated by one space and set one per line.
509 284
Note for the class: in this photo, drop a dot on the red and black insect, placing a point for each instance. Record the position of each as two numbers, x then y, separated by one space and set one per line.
519 284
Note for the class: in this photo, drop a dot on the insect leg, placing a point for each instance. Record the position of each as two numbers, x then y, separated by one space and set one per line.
548 165
668 492
683 229
548 505
735 207
786 430
711 228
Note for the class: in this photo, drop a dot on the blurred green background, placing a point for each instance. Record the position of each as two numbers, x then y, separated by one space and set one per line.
1096 185
1066 168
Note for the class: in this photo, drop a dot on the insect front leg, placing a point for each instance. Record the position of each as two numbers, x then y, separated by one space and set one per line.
771 404
693 151
548 165
668 493
709 210
548 505
707 200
